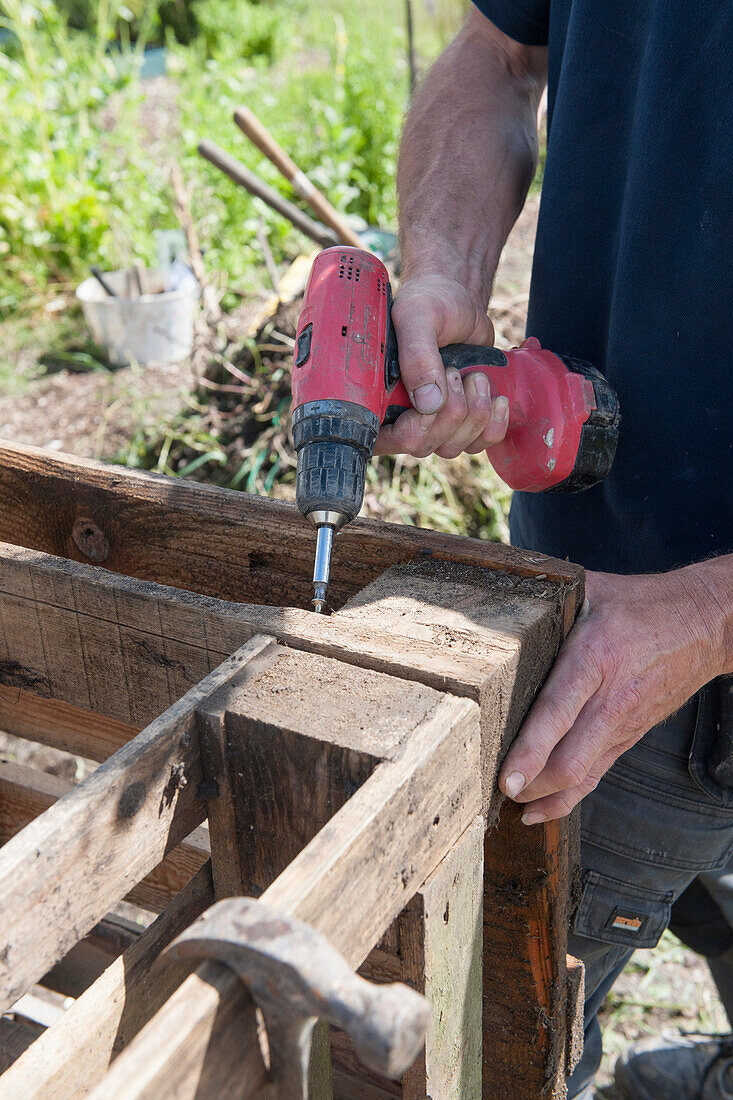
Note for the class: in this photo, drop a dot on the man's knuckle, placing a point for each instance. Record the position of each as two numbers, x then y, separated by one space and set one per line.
493 434
456 408
570 773
632 694
419 365
477 420
607 653
587 664
558 711
622 706
530 759
568 801
562 804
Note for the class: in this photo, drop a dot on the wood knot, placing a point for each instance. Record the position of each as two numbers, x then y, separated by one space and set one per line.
90 540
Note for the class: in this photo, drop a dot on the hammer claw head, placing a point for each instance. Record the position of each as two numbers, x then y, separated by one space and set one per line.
295 975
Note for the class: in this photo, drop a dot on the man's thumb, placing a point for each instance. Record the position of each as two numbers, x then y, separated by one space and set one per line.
421 367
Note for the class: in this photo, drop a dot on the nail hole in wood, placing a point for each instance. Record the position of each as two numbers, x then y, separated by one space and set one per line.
90 540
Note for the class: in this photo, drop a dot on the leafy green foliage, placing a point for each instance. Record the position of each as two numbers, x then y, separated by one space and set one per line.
231 29
84 175
74 162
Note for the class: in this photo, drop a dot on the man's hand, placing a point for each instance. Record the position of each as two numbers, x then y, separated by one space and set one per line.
449 416
642 646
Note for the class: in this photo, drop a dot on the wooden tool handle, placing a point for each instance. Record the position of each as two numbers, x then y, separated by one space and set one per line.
321 234
250 125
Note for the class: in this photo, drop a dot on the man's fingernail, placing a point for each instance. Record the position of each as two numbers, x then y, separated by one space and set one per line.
454 381
428 398
533 818
501 408
481 383
514 784
427 421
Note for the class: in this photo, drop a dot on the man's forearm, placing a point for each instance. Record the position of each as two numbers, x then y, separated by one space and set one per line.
468 154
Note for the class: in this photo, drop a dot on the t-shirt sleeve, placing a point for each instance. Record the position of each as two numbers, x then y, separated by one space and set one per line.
525 21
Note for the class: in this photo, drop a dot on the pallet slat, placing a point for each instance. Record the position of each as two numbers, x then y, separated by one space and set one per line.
71 1056
349 883
26 793
210 540
61 725
71 865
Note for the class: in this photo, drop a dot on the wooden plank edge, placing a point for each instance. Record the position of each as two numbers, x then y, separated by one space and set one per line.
61 874
73 1054
389 543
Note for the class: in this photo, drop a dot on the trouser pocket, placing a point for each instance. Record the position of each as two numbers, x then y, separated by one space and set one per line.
711 757
621 913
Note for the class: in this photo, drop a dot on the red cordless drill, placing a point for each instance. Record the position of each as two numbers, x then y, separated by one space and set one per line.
563 415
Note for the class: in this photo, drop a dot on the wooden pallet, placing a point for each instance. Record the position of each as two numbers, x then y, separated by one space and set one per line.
346 766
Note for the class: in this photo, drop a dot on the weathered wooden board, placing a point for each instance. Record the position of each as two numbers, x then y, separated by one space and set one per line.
210 540
73 863
576 1012
88 960
304 731
15 1037
25 793
529 874
73 1054
439 949
77 1049
100 641
202 1044
349 882
61 725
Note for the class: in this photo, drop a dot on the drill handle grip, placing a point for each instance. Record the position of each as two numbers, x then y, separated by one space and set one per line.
563 415
460 357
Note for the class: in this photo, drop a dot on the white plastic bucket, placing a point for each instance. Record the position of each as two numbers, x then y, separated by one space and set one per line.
154 328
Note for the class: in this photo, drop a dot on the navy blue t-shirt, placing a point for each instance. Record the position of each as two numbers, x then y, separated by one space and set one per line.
633 267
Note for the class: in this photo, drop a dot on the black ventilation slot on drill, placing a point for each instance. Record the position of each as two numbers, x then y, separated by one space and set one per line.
391 362
303 346
344 330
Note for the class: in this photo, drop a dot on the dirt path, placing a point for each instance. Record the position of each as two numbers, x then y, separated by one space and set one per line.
95 414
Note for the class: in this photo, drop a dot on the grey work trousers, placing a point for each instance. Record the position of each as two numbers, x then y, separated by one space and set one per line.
657 850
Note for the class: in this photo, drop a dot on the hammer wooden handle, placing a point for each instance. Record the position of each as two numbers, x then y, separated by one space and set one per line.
250 125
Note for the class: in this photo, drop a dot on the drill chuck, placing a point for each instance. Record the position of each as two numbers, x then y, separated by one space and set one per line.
334 440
